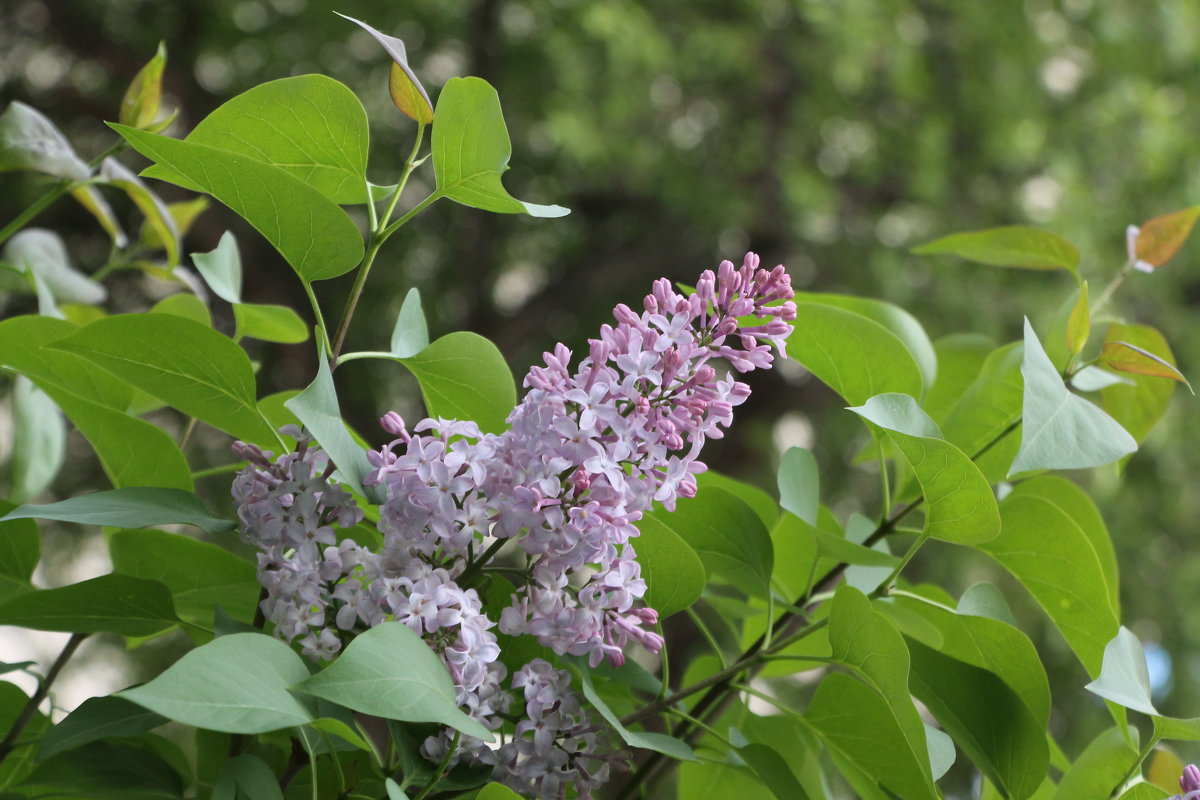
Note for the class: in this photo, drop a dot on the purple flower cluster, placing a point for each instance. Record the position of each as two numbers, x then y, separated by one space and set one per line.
1189 783
587 453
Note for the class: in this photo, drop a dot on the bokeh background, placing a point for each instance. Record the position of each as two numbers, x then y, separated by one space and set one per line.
829 135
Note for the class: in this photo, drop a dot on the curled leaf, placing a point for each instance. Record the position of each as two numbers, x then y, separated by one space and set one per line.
42 255
1125 357
1159 239
158 216
139 106
90 198
405 88
183 212
29 140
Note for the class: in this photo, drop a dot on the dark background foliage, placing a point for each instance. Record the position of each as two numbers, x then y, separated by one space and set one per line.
830 135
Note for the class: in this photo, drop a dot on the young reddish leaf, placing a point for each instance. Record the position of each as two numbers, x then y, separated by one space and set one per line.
1079 324
1159 239
139 106
1126 357
405 88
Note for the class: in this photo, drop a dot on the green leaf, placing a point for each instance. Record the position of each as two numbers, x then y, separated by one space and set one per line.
1124 677
394 792
864 640
97 718
1093 379
106 771
269 323
471 150
855 356
705 523
221 268
658 742
773 771
765 505
139 106
108 604
41 254
861 727
942 754
248 777
23 349
960 358
184 305
314 236
90 198
20 547
1071 574
1079 324
158 216
1061 430
133 452
800 484
411 334
1140 405
198 574
1012 246
794 542
39 441
1099 768
19 762
184 214
317 408
390 672
674 574
128 508
464 376
989 720
183 363
1144 791
28 140
497 791
261 123
898 321
959 504
234 684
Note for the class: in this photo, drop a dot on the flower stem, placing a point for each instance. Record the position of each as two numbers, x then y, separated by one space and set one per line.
43 689
441 770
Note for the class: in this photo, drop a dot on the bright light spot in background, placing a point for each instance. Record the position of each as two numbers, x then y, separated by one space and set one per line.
516 285
1040 197
792 430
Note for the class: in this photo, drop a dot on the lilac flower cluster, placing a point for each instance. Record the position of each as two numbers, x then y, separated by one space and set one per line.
1189 783
586 455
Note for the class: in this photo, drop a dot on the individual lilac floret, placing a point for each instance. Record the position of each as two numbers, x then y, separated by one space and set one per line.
290 509
1189 783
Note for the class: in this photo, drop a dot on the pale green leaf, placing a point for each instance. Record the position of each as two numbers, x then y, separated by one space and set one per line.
39 441
390 672
800 484
28 140
128 508
139 106
268 323
1061 430
675 576
658 742
234 684
317 409
221 268
1124 676
411 334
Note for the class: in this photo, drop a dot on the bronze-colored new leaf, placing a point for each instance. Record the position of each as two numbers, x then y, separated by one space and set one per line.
405 88
1161 237
1125 357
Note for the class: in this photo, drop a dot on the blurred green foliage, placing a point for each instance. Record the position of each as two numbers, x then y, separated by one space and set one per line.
830 135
